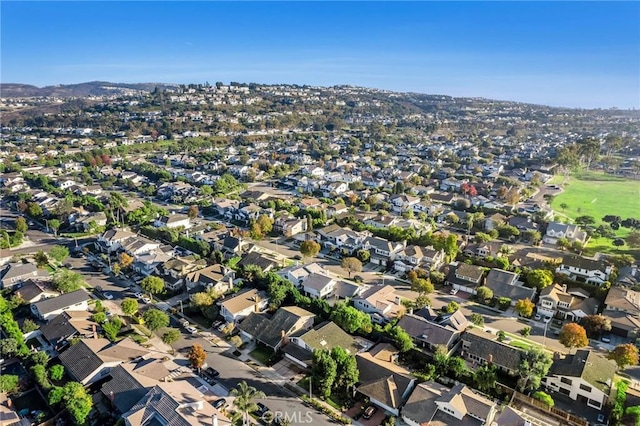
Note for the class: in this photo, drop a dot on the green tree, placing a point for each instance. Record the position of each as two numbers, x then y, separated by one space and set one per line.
170 336
34 210
452 307
422 285
111 329
633 239
573 335
594 325
196 356
485 378
347 372
563 243
309 248
41 258
624 355
66 281
21 224
524 307
351 264
56 372
99 317
59 253
152 285
477 319
323 372
54 224
540 278
9 383
534 365
41 358
484 293
129 306
244 401
74 399
265 223
544 397
193 212
155 319
400 337
351 319
8 347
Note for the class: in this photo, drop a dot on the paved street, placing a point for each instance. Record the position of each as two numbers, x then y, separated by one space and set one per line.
233 371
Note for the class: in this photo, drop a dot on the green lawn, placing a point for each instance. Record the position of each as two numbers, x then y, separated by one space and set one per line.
597 195
262 355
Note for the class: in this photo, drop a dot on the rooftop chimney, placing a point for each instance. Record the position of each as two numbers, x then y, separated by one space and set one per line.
490 359
95 334
214 420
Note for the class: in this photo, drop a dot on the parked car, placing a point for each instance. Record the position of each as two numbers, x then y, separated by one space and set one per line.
108 295
212 372
537 317
547 319
606 339
369 412
145 299
138 295
262 409
191 329
219 403
454 291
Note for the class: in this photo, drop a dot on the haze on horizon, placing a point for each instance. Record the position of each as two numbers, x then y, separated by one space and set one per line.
572 54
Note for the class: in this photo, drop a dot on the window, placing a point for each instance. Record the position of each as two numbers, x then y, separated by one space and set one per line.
593 403
565 380
564 391
585 388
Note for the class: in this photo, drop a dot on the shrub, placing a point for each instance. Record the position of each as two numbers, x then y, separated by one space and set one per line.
326 411
525 331
544 397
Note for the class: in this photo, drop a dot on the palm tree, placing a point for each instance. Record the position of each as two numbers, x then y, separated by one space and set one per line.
506 250
244 401
485 378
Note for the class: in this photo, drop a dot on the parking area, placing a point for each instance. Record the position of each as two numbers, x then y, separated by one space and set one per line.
356 411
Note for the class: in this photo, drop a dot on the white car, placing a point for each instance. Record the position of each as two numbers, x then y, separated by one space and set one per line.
547 319
454 291
145 299
191 329
138 295
108 296
538 317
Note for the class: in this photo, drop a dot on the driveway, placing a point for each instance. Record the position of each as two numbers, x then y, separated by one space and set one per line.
289 371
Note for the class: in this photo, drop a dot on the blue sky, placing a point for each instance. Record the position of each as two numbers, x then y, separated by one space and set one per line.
577 54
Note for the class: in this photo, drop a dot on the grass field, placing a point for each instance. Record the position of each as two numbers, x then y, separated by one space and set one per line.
596 194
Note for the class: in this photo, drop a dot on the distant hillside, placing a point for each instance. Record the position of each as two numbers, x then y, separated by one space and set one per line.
92 88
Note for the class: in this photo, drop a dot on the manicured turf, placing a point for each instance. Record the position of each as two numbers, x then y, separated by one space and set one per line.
597 195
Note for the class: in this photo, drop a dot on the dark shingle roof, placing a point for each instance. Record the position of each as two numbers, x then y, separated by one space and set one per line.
482 345
421 329
269 330
382 380
584 263
123 389
80 360
591 367
62 301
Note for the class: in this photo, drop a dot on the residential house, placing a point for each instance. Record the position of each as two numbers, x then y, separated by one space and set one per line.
556 302
386 384
225 207
343 239
90 221
382 251
382 303
33 291
274 331
49 308
111 240
236 308
581 269
15 274
297 274
482 250
217 277
556 230
506 284
412 257
622 307
431 330
401 202
324 336
318 286
174 403
289 225
90 360
139 245
492 222
173 221
175 270
482 348
431 403
336 209
69 324
465 277
149 263
585 377
262 261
